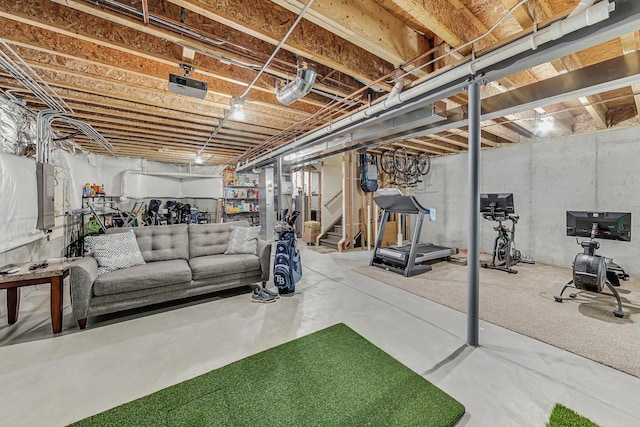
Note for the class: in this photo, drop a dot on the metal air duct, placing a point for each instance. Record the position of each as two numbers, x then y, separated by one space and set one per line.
302 85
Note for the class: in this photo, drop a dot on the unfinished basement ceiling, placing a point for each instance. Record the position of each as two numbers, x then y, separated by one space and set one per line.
110 61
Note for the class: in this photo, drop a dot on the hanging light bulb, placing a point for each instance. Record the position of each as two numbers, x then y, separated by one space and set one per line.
237 109
545 125
198 159
238 103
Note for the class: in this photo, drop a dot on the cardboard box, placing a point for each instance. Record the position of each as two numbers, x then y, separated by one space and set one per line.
309 236
311 226
390 236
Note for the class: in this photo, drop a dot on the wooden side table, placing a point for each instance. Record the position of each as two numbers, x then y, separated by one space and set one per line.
53 274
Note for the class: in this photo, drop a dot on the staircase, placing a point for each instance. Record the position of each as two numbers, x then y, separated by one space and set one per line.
333 236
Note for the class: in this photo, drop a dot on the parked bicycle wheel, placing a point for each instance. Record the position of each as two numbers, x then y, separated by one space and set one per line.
387 162
423 162
401 159
412 170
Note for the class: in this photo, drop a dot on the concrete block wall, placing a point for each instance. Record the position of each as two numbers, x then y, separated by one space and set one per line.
593 172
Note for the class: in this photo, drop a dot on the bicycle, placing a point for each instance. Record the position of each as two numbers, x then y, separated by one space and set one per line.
404 168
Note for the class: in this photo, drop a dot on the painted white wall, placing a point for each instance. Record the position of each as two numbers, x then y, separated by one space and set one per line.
18 198
331 185
110 171
593 172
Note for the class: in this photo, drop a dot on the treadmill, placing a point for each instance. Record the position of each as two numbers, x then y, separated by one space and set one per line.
408 260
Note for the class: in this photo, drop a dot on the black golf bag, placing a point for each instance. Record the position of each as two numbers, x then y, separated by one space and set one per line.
152 216
287 268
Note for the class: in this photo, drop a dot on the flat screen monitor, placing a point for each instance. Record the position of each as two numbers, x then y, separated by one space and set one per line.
609 225
500 204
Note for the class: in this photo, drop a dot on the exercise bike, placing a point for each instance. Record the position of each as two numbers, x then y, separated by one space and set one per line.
591 272
505 255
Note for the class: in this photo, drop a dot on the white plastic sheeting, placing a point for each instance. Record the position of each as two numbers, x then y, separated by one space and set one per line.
18 188
79 171
121 176
18 202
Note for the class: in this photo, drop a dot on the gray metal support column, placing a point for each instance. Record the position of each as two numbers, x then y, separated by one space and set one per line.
266 208
473 263
280 201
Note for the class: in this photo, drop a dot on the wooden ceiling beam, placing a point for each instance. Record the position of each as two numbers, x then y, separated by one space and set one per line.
66 25
80 70
143 143
367 25
631 43
521 14
86 57
415 148
452 139
569 63
171 156
269 22
443 143
499 131
111 90
124 121
203 117
108 129
450 20
165 121
490 126
463 135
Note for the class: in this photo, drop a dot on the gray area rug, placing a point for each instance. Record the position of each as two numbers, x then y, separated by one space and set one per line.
524 303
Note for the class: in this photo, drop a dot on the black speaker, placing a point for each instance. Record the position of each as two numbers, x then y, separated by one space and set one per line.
589 272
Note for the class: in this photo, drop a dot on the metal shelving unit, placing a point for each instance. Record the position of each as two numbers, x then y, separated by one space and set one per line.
241 203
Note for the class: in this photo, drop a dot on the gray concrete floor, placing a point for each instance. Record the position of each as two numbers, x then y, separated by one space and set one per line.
510 380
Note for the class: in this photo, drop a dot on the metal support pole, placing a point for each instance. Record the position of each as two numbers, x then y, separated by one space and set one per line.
279 201
473 263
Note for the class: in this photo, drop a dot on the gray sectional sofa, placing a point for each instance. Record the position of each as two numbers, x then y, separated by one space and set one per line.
181 261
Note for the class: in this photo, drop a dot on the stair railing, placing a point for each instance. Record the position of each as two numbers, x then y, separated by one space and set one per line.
334 198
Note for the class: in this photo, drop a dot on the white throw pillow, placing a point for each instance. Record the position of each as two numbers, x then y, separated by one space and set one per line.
243 240
115 251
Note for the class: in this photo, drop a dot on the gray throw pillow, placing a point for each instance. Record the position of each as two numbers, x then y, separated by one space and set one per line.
115 251
243 240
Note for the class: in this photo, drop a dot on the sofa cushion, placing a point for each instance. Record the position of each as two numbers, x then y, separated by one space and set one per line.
205 267
243 240
161 242
150 275
115 251
210 239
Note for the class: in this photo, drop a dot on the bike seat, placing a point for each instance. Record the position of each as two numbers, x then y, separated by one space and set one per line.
590 243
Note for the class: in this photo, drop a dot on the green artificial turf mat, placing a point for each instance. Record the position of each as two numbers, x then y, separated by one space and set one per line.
331 377
561 416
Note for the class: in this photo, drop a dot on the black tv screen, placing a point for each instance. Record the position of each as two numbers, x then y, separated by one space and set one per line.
496 203
609 225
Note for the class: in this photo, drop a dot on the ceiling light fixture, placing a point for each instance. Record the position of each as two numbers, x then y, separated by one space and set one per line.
237 109
198 159
545 125
262 70
237 103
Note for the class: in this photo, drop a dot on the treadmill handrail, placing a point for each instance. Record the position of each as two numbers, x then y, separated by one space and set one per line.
397 203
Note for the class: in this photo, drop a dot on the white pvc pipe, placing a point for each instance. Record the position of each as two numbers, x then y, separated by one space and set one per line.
586 17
